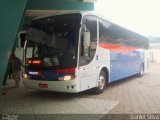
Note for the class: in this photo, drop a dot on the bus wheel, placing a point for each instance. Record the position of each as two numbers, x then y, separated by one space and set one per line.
140 74
101 83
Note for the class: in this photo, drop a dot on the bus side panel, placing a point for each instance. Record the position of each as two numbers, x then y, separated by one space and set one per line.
125 64
104 60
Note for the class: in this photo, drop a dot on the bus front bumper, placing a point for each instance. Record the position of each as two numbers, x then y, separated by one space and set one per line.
71 86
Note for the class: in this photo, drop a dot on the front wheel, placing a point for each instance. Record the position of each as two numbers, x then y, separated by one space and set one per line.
101 83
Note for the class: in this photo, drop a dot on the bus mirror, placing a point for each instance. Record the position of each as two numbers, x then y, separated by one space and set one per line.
86 36
86 39
86 43
83 26
21 38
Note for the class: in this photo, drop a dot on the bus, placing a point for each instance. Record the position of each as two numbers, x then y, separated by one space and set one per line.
74 52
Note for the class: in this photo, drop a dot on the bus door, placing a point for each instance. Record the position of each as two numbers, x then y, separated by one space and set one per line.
87 53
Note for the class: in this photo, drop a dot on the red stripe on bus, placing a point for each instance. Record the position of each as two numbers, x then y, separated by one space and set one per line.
66 70
117 48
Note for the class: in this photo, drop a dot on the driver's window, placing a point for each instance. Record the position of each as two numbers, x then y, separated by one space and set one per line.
90 23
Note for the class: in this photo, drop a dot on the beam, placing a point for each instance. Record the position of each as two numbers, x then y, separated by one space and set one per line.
37 13
59 5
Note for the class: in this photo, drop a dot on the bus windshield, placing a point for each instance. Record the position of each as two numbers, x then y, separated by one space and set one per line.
53 41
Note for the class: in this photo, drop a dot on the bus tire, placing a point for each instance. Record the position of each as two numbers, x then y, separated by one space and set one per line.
101 83
140 74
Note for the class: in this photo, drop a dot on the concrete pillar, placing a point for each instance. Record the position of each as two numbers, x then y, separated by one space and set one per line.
11 14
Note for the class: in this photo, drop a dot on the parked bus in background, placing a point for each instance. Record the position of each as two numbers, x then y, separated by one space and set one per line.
74 52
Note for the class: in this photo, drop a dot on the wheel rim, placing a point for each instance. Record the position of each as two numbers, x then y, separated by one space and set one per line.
101 82
141 70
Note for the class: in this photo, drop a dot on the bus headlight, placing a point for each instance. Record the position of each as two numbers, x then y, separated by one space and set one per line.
67 77
25 76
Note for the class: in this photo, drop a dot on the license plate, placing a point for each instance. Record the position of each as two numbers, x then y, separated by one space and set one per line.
42 85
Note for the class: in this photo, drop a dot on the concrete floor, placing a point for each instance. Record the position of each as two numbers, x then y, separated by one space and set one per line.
129 96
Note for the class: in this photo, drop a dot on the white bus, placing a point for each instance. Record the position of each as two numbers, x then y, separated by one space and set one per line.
74 52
